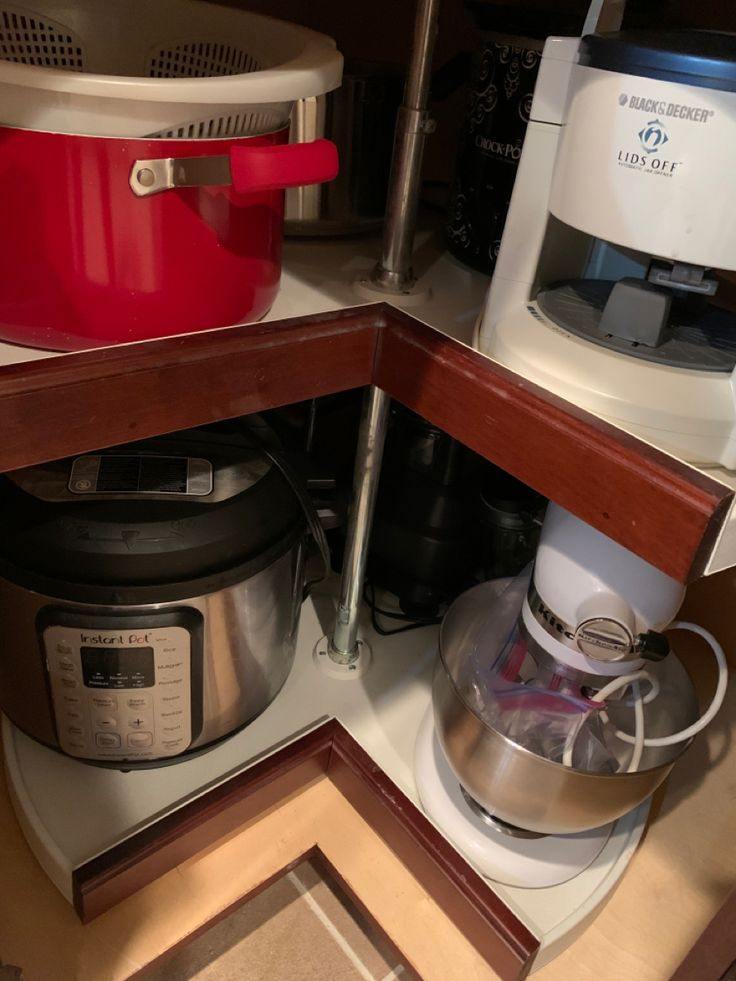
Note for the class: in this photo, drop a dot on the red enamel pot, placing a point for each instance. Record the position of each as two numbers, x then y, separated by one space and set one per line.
108 240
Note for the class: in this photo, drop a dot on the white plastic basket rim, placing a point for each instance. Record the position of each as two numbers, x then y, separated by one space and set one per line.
315 70
156 137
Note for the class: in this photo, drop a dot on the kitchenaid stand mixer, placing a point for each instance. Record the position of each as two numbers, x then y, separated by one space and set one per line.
603 291
558 706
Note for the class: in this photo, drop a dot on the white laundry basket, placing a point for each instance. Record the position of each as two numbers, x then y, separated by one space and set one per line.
155 68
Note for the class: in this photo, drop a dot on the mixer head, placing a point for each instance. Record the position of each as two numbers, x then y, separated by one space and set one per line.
592 605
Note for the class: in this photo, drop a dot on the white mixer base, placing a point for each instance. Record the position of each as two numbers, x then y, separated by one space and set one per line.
526 862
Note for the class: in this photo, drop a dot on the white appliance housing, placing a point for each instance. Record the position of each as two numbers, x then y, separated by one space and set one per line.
617 168
591 599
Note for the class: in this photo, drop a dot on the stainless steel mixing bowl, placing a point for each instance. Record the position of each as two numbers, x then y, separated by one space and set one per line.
516 785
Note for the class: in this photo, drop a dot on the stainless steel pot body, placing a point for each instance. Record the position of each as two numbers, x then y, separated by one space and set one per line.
240 647
531 792
359 118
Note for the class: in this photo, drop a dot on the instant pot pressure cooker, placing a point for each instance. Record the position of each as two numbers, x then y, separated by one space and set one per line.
149 596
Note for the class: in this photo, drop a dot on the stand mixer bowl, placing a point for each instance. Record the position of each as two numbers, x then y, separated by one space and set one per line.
516 785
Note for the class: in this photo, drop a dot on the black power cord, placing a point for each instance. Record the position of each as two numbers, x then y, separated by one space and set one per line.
411 623
268 443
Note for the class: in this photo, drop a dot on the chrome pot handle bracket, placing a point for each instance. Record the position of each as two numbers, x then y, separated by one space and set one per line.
249 169
153 176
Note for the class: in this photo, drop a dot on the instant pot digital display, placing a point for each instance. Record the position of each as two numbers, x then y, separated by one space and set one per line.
118 667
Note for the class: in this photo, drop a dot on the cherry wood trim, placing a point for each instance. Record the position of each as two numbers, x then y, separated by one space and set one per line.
658 507
464 896
663 510
122 870
80 402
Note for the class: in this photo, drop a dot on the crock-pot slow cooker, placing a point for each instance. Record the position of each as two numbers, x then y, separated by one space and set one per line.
149 596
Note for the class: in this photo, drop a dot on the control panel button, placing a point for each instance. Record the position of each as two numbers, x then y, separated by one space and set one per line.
120 689
104 702
106 722
138 702
108 740
140 740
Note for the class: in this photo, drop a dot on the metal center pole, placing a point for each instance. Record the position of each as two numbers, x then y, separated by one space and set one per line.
393 274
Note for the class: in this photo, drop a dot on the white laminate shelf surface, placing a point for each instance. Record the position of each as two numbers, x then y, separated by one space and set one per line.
75 811
320 275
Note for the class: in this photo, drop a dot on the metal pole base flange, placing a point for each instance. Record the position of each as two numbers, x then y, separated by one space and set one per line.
342 667
412 294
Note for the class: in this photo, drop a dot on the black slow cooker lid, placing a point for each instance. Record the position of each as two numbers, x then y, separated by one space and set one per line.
706 59
112 539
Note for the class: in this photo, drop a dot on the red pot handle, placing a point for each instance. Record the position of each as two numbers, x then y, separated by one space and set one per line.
266 168
247 168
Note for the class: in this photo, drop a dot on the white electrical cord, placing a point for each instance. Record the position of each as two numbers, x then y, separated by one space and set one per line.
613 686
638 740
638 704
716 702
638 729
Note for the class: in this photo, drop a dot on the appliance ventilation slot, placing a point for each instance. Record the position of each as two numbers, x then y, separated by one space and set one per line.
27 40
236 124
200 59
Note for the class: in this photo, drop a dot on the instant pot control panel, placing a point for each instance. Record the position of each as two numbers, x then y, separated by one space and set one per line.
125 687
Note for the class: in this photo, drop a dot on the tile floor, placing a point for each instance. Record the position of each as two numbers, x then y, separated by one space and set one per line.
302 928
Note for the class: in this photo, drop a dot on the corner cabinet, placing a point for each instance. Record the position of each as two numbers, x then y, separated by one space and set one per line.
665 511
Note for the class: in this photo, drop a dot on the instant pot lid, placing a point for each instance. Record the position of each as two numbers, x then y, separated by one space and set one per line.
85 545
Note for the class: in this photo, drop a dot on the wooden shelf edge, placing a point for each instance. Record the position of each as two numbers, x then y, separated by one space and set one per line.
453 884
665 511
81 402
655 505
459 891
